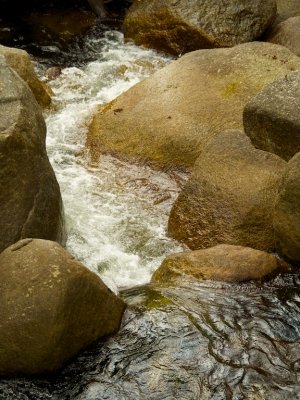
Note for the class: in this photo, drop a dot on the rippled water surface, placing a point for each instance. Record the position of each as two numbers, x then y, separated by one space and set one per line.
198 341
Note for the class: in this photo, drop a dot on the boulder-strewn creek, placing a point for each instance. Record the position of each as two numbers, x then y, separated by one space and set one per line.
200 340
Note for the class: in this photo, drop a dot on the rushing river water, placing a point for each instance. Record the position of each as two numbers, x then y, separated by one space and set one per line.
116 213
199 341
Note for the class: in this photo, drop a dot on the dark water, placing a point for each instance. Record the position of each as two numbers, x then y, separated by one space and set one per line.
209 341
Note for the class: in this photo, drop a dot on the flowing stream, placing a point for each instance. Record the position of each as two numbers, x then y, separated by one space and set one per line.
199 341
116 213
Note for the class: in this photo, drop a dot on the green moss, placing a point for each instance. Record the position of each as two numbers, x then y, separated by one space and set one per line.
156 300
230 89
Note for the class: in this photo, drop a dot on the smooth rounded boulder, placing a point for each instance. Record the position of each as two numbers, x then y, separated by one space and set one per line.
181 26
20 62
221 263
51 307
167 118
272 118
287 9
30 198
287 34
287 212
230 196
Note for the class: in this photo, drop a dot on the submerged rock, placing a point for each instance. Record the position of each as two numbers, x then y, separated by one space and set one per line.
221 263
19 60
287 212
287 34
168 118
51 307
182 26
272 119
230 196
30 199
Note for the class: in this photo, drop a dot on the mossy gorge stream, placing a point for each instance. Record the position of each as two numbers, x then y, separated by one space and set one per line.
199 341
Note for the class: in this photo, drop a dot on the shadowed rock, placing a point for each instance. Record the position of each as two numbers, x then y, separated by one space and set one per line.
30 199
230 196
272 119
287 212
51 307
182 26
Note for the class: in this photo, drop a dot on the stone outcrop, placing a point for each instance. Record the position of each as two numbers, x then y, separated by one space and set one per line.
287 9
51 307
168 118
287 34
230 196
182 26
272 119
30 197
19 60
287 212
222 263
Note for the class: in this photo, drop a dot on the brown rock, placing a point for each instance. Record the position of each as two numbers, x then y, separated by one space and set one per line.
287 212
287 34
230 196
182 26
51 307
30 199
221 263
168 118
288 8
19 60
272 119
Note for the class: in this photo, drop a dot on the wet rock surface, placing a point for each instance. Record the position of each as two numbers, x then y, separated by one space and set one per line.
167 119
271 118
31 204
182 26
230 196
193 342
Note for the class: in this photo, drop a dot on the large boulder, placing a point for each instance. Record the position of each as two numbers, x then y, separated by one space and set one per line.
222 263
230 196
287 34
287 9
30 197
272 118
168 118
19 60
182 26
51 307
287 212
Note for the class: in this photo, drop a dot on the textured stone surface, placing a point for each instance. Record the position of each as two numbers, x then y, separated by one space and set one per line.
230 196
287 34
221 263
51 307
168 118
272 119
287 212
19 60
30 197
288 8
182 26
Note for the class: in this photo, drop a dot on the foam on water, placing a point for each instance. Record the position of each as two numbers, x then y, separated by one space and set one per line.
116 213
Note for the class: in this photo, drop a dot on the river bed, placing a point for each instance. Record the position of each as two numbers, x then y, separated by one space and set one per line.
201 341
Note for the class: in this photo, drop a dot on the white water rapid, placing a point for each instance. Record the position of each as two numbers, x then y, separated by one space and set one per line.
116 213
